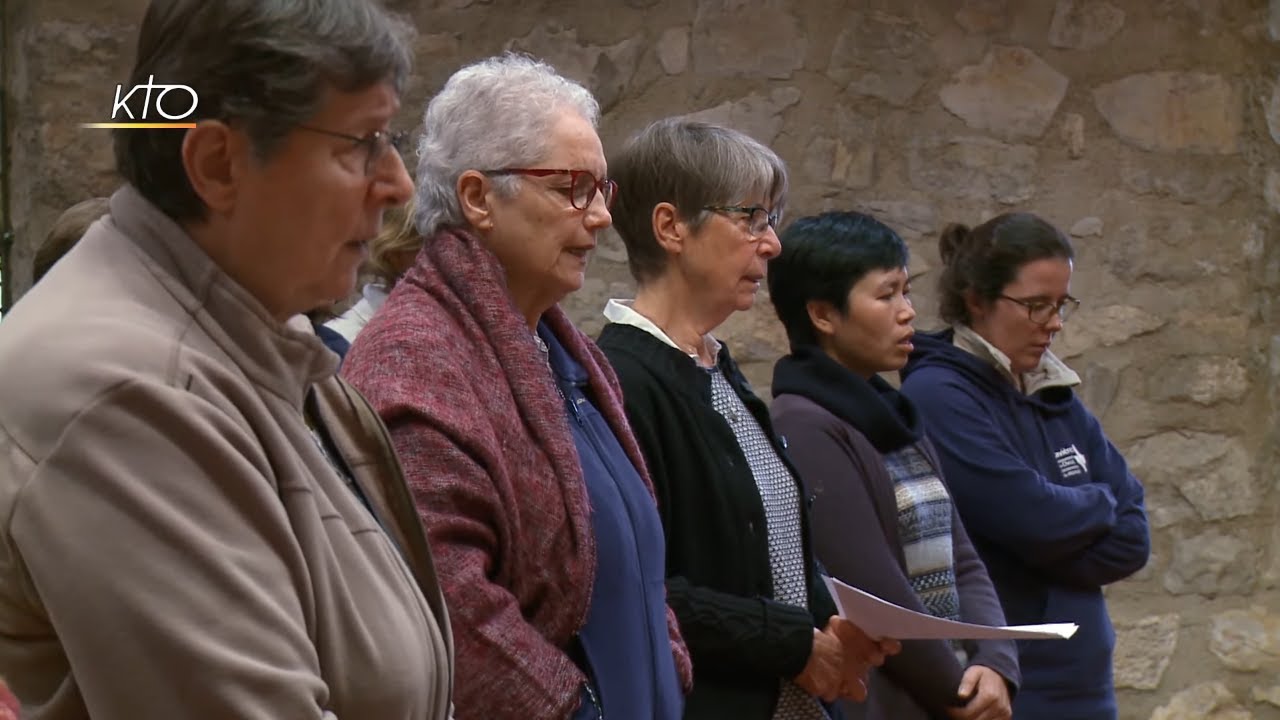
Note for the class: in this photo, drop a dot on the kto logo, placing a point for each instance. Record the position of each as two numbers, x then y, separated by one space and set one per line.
173 103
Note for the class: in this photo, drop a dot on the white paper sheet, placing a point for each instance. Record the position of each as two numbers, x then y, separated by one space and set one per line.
882 619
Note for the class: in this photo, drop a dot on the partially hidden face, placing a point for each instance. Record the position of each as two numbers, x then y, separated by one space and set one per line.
540 238
725 262
1006 323
303 219
873 332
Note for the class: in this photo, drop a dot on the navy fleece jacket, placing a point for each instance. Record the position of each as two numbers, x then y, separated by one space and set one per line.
1051 507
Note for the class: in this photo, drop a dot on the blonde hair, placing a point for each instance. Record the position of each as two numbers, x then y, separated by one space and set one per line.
387 251
66 232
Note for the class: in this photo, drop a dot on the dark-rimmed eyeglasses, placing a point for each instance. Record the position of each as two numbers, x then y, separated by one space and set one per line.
759 219
1040 312
374 144
582 189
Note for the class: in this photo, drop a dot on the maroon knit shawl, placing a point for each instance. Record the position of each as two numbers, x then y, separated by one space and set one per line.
450 365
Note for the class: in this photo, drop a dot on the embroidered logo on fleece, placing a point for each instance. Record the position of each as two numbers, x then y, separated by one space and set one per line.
1071 462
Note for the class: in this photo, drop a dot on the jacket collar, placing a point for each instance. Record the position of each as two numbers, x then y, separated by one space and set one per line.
873 407
1050 373
284 359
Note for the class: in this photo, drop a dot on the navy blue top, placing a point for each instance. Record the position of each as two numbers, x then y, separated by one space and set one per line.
625 637
332 339
1050 506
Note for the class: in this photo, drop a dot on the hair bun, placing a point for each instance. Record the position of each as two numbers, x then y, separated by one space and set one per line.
953 238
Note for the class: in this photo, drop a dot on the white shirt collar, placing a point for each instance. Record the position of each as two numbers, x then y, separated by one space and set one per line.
620 311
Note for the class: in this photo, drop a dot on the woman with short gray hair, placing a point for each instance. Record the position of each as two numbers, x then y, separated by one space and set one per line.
510 420
201 520
698 220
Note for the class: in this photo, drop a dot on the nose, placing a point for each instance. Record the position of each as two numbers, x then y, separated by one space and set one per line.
1055 323
597 216
909 310
392 182
770 245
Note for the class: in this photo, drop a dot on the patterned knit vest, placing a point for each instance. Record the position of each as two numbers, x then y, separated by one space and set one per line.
924 526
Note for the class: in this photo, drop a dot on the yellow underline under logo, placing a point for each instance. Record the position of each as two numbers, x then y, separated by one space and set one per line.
137 125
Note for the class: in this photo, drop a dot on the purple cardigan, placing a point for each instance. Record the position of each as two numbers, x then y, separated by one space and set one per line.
855 533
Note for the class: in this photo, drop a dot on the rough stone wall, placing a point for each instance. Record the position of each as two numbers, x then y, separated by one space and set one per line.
1147 128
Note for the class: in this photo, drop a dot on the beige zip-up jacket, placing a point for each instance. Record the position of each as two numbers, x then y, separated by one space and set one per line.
173 542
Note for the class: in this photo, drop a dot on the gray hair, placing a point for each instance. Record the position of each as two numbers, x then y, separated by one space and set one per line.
690 165
490 115
263 63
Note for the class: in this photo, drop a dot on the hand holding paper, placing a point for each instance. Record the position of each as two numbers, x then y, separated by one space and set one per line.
882 619
861 653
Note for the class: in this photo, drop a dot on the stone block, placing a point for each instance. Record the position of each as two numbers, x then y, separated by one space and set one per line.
882 56
1273 110
835 166
1073 135
1143 650
1206 701
973 168
673 50
1212 472
1271 189
1247 640
1270 695
1212 564
759 116
1271 576
1192 185
607 70
1203 380
1084 24
1105 326
1174 112
1087 227
983 16
1012 92
1168 247
908 219
746 38
1098 388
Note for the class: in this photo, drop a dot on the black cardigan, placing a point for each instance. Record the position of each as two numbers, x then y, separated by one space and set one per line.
719 581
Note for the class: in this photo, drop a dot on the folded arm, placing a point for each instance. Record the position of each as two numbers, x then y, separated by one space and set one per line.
1124 549
1002 498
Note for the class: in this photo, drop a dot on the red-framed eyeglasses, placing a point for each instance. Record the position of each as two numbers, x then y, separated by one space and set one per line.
582 189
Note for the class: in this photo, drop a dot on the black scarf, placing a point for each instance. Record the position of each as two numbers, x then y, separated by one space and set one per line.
885 416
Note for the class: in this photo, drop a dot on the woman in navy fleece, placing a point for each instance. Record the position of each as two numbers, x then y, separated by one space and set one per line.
1049 502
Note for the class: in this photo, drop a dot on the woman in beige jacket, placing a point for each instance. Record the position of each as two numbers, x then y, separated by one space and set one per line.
197 519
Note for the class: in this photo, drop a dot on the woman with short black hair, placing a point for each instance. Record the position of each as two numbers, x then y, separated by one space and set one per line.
883 519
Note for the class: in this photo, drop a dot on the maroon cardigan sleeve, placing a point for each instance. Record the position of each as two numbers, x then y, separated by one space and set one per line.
854 521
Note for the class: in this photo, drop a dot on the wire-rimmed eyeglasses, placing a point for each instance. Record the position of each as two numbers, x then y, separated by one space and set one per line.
375 144
759 219
1040 312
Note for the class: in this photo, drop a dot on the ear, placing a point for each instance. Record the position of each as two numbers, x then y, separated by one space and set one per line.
668 229
473 198
977 309
823 316
215 157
